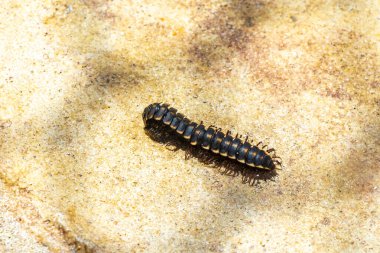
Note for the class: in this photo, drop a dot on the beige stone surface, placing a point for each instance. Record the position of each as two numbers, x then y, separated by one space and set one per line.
79 173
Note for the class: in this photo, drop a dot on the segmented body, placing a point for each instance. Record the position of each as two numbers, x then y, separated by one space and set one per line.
211 138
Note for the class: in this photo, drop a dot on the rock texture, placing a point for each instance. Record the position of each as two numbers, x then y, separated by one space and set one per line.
78 172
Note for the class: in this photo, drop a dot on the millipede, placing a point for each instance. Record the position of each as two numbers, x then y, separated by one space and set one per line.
212 138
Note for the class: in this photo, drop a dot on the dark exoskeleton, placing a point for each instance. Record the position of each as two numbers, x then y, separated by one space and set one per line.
211 138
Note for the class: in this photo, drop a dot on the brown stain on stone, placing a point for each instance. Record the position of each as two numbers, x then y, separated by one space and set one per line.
224 33
22 206
77 244
353 71
357 176
350 74
330 60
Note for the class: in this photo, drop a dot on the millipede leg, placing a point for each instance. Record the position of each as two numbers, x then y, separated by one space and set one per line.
275 157
169 145
278 163
187 155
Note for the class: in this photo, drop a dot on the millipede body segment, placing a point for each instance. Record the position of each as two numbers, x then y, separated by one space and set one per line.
212 138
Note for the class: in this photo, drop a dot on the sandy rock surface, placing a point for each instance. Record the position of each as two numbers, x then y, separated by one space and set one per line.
78 172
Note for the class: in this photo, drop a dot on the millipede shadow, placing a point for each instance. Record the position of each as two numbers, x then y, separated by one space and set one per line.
168 137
